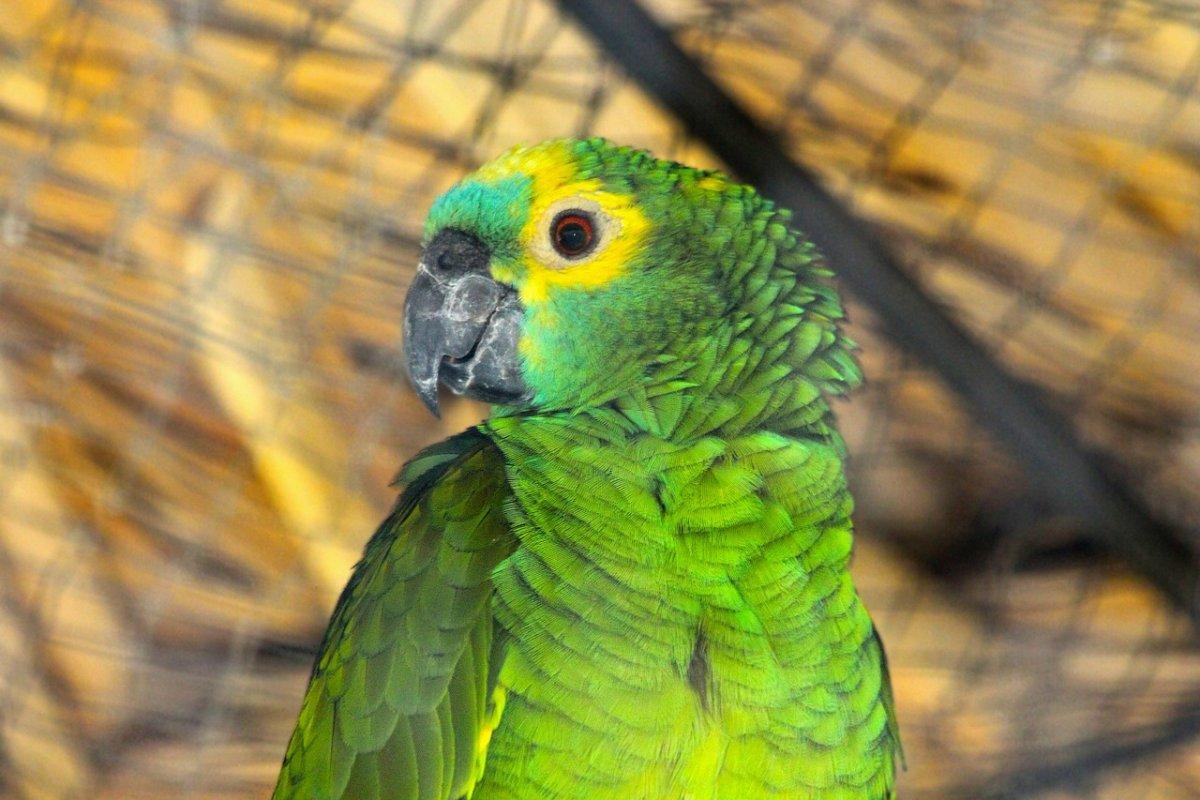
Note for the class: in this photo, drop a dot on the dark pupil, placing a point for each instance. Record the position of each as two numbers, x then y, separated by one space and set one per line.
572 237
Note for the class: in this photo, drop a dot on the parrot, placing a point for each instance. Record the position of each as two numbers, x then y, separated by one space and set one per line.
631 580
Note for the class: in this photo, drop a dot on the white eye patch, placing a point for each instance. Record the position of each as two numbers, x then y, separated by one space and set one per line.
573 231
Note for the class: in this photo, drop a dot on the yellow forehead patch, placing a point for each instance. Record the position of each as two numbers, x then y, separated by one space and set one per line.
554 181
548 163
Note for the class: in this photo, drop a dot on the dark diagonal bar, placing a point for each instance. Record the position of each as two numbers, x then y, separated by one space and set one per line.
1072 480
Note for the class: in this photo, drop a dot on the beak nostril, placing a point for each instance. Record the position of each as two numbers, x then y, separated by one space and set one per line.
454 252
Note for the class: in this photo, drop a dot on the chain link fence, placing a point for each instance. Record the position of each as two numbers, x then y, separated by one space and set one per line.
209 214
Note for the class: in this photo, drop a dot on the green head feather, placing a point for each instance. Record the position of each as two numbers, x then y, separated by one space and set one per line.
693 293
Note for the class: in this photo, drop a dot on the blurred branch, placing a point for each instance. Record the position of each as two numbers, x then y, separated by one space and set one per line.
1072 480
284 428
42 753
1088 761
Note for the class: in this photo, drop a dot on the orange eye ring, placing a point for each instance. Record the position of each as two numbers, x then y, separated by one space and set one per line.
573 233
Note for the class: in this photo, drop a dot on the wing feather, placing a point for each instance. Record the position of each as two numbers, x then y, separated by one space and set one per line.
399 699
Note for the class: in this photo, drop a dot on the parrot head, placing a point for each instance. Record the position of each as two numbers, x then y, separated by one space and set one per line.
571 272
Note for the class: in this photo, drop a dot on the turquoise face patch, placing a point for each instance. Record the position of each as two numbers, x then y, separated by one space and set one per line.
495 212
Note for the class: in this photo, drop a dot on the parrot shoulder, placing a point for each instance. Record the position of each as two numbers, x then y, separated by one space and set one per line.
400 702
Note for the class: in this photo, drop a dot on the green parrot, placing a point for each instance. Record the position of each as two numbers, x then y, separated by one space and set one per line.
631 581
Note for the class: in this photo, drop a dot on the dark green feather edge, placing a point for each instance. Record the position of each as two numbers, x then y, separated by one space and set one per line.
403 681
889 700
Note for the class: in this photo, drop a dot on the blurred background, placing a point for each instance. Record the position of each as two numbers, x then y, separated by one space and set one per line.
209 214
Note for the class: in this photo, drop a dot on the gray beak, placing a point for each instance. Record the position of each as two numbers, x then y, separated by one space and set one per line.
461 327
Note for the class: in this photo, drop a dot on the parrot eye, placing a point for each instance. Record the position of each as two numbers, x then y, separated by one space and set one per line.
573 233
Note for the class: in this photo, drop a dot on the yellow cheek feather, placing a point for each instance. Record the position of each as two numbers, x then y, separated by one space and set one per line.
531 352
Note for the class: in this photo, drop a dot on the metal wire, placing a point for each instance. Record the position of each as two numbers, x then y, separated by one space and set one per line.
209 212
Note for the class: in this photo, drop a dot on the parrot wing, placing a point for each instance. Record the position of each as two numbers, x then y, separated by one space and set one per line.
889 699
399 705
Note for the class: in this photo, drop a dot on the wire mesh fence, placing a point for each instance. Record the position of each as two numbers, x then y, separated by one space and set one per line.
208 217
